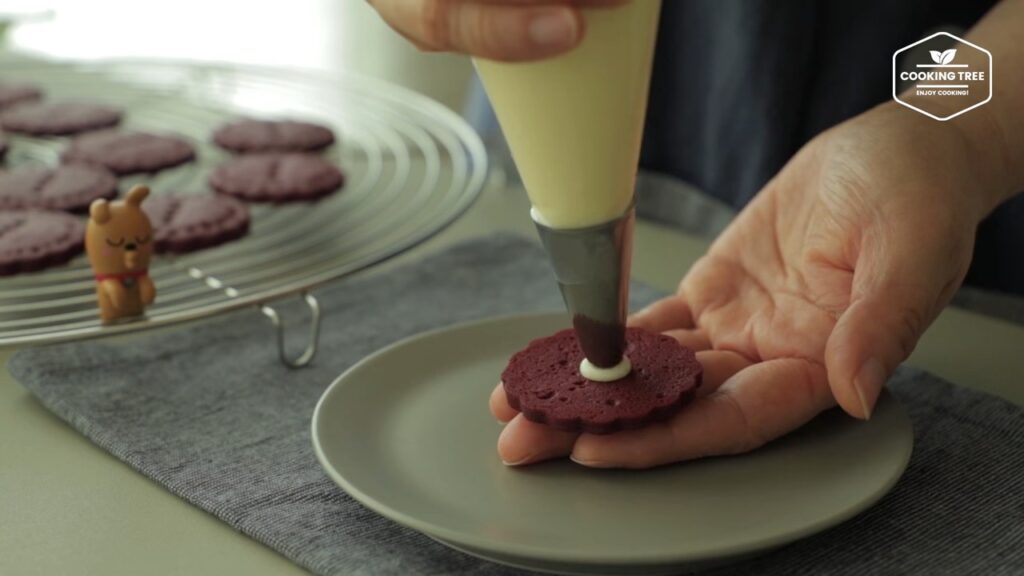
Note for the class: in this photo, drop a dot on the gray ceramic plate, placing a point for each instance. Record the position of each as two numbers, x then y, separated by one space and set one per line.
407 433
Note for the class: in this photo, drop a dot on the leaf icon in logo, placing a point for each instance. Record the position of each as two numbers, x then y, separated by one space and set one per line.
936 56
948 55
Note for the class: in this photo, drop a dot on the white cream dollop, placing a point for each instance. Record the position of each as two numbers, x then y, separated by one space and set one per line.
598 374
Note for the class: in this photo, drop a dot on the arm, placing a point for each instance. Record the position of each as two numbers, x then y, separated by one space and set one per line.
994 132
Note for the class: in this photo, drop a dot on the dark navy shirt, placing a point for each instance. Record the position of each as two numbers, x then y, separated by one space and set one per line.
740 85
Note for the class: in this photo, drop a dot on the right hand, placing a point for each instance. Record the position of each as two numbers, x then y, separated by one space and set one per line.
506 30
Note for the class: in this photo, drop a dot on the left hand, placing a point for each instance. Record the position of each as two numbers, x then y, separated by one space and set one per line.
811 297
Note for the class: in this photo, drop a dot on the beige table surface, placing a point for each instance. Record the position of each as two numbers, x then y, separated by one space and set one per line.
67 507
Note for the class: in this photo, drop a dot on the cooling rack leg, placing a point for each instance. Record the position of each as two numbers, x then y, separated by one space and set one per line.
314 332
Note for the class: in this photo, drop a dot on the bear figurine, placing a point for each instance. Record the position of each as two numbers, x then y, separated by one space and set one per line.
119 243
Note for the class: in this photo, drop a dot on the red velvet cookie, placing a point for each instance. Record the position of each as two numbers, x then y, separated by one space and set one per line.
58 118
543 382
12 93
71 187
277 177
36 239
247 136
129 152
190 223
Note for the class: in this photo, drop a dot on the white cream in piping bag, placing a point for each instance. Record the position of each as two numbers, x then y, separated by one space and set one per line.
574 124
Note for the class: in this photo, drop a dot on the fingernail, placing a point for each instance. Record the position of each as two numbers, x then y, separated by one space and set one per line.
520 462
587 463
553 29
869 383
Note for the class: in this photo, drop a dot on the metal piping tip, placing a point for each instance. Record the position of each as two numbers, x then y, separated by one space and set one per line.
592 266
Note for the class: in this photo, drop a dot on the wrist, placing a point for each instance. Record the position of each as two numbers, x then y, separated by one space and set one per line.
986 151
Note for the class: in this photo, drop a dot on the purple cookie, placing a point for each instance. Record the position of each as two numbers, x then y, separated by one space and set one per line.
246 136
277 177
71 187
129 152
12 93
190 223
543 382
58 118
36 239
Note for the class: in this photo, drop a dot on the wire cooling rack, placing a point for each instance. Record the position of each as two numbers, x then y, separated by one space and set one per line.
412 167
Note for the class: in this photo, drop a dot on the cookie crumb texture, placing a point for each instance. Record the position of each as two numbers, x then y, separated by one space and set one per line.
543 382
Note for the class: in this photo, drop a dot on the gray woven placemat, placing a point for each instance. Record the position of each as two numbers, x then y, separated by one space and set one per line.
210 413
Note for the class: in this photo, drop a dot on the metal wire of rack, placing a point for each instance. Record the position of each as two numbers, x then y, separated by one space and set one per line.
412 167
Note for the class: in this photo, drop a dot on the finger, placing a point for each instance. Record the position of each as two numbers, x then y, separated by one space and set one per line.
666 314
758 404
892 304
719 366
499 405
872 337
507 32
525 442
695 340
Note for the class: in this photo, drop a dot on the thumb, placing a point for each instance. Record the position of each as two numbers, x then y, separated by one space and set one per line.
508 32
891 306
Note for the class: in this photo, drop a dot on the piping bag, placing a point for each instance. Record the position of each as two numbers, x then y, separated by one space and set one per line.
574 126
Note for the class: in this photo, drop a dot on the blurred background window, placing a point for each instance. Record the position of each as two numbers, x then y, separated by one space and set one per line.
324 35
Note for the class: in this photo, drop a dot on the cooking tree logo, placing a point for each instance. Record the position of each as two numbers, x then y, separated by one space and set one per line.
941 81
943 58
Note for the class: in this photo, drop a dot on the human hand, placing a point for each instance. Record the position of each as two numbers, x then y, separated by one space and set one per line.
812 296
507 30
